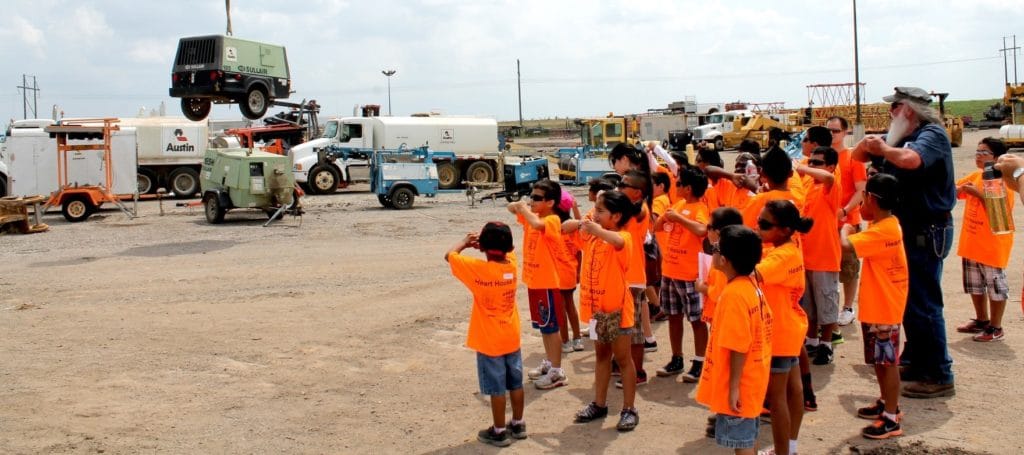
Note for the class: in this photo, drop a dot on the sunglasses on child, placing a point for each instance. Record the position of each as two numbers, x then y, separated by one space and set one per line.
765 225
623 184
815 162
537 198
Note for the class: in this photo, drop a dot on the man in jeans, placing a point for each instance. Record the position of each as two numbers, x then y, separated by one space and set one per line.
918 153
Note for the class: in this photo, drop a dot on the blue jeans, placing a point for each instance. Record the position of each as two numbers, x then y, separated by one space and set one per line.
925 351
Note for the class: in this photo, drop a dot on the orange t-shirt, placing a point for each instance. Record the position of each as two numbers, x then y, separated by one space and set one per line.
494 320
977 242
884 276
782 270
679 252
710 198
716 284
753 208
822 252
541 250
743 324
851 172
566 262
636 274
658 208
603 279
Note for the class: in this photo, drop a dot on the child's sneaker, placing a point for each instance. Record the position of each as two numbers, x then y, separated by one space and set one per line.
692 376
554 378
990 334
518 430
875 411
823 355
973 326
577 344
641 379
591 412
567 347
882 428
837 338
628 420
674 367
489 436
542 370
846 316
651 346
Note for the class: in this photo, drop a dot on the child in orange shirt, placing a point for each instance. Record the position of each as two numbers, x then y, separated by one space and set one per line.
605 297
985 255
883 299
686 225
568 274
542 246
662 188
735 378
782 273
712 286
822 256
494 325
636 185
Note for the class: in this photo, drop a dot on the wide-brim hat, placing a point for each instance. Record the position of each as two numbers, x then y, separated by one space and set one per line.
909 94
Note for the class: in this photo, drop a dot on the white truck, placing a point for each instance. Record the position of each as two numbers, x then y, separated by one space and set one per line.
473 140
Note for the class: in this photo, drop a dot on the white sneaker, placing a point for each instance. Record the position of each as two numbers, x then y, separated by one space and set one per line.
542 370
846 316
577 344
554 378
566 347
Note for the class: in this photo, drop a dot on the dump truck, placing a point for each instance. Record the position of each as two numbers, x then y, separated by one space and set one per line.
728 129
474 141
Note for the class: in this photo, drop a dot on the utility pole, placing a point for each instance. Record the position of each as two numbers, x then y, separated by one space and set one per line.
519 89
227 7
389 73
24 96
858 127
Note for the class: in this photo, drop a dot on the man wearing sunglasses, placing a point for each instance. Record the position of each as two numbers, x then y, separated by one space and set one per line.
918 153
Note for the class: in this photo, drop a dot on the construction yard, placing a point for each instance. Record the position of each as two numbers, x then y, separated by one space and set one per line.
343 331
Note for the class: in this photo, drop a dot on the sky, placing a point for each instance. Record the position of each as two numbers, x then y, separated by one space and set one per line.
577 58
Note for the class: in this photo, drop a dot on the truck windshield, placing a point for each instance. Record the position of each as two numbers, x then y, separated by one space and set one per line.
715 118
330 129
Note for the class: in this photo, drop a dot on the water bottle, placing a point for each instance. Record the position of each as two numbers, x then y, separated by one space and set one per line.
999 218
751 171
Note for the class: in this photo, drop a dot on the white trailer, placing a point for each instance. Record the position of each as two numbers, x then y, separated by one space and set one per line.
473 140
171 151
32 156
656 127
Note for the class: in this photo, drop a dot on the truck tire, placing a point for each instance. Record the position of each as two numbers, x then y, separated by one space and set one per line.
211 207
719 144
402 198
254 105
323 180
76 208
196 109
447 175
3 185
184 182
147 181
479 173
385 201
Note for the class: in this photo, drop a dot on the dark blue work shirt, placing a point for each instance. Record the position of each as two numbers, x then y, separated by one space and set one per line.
928 193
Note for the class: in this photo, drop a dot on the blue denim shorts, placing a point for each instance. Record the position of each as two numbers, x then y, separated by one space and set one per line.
499 374
783 364
736 432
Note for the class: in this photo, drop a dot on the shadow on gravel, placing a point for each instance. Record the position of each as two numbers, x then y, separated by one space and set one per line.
178 248
910 448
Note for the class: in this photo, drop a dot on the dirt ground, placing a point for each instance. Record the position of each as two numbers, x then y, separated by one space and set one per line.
343 333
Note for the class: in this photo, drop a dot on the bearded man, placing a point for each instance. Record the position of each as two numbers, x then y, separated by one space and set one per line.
918 153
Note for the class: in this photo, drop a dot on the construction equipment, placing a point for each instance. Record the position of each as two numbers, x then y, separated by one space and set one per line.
282 131
246 178
520 175
727 129
14 213
397 176
1013 134
607 132
78 201
223 69
954 125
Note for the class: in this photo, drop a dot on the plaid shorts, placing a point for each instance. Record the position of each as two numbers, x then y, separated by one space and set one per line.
980 279
681 297
881 350
637 336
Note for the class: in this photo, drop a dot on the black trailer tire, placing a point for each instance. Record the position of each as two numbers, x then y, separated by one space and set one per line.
254 105
447 175
196 109
3 186
212 209
513 197
146 181
323 180
402 198
385 201
184 182
76 208
719 144
479 173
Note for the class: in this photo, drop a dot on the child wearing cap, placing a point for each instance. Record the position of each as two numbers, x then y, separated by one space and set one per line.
494 325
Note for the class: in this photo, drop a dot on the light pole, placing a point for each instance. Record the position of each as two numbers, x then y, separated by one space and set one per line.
389 73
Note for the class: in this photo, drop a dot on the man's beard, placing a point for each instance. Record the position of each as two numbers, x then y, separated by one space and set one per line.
899 128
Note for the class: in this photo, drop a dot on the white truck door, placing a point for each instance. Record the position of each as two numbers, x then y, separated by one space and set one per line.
354 134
